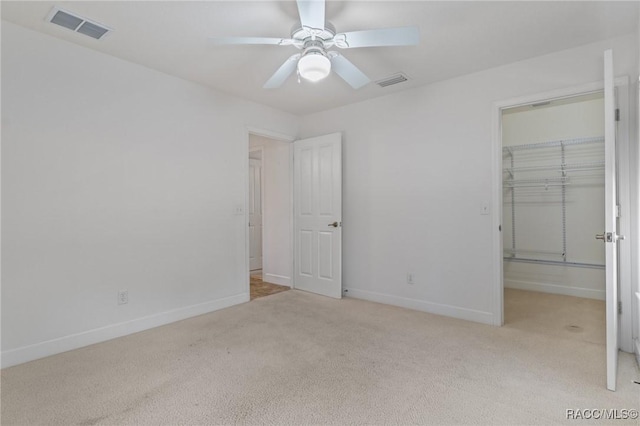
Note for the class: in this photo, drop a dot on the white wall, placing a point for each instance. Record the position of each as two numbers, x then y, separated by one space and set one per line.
582 118
115 177
417 171
276 196
538 211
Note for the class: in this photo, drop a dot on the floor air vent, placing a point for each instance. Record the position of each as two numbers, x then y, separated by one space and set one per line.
394 79
78 24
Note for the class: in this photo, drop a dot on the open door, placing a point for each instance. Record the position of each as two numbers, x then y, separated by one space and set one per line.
255 214
610 236
317 183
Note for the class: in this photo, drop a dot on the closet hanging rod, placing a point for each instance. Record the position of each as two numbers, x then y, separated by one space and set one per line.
554 262
516 251
536 185
549 144
567 167
539 180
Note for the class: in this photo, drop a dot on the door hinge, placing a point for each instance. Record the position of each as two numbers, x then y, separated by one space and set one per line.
618 211
619 307
617 114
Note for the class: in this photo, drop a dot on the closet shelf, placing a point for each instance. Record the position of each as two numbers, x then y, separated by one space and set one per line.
550 144
529 171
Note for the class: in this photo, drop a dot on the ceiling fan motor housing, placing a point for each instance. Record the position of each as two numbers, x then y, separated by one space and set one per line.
314 47
305 34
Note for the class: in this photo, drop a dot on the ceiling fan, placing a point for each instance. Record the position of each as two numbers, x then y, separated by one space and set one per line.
315 36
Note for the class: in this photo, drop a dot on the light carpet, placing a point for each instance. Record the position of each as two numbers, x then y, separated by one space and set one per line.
299 358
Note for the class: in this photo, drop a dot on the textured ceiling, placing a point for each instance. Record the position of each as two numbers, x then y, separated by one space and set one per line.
456 38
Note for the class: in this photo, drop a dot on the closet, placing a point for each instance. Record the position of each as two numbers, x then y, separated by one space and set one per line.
553 199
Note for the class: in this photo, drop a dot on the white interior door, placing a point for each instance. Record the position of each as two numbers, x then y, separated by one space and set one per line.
255 214
318 214
610 236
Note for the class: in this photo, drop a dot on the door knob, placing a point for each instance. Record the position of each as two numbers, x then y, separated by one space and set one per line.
334 224
609 237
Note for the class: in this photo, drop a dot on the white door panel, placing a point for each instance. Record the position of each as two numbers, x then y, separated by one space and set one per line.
610 237
318 214
255 214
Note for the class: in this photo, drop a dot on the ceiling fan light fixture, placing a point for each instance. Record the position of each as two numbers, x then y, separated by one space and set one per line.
314 66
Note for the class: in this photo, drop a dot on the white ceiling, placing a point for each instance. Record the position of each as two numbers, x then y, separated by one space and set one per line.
457 38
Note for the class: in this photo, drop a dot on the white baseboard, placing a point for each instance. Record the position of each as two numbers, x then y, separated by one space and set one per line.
555 289
276 279
422 305
86 338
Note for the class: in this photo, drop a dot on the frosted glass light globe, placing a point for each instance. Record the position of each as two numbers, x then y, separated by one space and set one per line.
314 67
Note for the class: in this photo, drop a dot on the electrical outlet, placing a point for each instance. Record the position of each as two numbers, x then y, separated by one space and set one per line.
410 278
239 210
123 297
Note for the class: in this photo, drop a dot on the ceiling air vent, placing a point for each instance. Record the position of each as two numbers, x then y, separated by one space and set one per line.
78 24
394 79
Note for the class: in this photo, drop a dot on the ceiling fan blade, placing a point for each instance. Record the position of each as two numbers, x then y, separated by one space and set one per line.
285 70
349 72
400 36
251 40
311 13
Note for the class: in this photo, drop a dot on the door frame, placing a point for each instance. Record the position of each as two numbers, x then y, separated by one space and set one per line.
624 262
281 137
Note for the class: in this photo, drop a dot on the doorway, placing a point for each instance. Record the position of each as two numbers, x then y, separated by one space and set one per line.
269 215
619 305
553 206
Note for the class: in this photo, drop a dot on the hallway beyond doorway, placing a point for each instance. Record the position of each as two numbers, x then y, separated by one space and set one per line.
260 288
